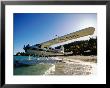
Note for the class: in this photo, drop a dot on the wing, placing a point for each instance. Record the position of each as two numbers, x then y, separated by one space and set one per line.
74 35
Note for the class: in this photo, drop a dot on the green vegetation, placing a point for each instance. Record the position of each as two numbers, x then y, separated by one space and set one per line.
85 47
21 54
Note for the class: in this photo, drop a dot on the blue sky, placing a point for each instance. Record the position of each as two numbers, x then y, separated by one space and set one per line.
34 28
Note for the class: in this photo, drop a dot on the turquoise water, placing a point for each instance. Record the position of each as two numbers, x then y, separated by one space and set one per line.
38 69
23 57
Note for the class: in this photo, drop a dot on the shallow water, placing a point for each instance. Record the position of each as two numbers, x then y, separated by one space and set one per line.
38 69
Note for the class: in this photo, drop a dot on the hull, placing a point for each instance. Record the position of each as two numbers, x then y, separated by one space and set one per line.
43 53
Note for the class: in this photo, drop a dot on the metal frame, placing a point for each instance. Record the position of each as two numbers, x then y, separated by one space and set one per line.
4 3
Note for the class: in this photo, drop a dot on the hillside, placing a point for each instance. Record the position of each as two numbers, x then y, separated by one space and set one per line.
86 47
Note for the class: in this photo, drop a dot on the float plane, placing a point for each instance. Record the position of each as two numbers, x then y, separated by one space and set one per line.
45 49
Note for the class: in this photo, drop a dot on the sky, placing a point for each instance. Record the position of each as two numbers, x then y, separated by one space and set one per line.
35 28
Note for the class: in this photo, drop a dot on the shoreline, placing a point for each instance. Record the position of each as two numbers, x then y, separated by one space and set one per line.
74 65
92 59
50 71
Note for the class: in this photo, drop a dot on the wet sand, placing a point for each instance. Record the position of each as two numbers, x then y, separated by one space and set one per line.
75 65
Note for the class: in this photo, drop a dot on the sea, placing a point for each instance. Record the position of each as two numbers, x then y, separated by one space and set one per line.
36 69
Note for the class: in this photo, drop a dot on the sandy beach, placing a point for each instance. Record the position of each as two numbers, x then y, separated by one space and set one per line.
92 59
75 65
